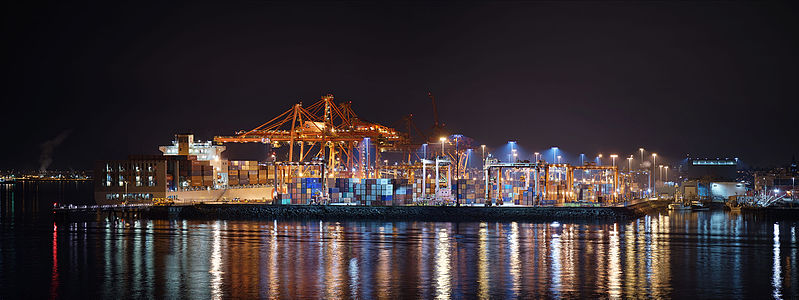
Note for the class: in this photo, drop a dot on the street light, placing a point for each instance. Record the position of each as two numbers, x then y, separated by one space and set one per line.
667 173
599 159
512 156
613 157
654 188
630 164
558 158
554 153
536 157
660 172
424 151
642 154
484 152
442 139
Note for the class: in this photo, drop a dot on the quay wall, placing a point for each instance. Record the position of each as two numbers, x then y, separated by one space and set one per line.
420 213
399 213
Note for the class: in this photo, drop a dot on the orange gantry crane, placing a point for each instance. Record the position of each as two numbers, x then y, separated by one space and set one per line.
328 129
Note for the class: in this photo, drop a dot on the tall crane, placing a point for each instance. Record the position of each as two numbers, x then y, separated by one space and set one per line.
438 127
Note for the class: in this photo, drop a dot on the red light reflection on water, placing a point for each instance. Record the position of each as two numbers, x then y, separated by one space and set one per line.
54 276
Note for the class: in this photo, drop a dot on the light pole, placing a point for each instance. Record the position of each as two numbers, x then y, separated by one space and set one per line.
630 164
484 152
457 164
599 159
554 154
424 151
642 154
667 173
536 157
660 172
653 187
613 158
630 173
442 139
514 156
582 159
558 158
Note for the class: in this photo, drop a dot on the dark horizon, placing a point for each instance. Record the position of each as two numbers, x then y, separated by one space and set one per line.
104 80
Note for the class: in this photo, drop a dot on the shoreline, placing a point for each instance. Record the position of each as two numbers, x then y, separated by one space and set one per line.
396 213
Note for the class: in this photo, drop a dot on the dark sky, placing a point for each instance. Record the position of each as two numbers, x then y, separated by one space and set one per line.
711 78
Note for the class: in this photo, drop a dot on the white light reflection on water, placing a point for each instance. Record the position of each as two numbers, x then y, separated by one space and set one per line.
515 262
554 259
216 263
614 271
354 281
482 262
443 276
274 284
775 278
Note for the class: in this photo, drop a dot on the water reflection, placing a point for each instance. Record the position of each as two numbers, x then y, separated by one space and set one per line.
668 255
775 277
442 265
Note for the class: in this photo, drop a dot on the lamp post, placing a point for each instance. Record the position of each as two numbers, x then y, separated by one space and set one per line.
457 164
630 164
630 173
667 173
599 159
424 151
484 152
582 159
613 158
654 159
642 154
554 154
443 140
536 157
558 158
660 172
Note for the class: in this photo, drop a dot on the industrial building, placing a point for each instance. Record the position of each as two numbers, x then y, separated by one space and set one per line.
710 180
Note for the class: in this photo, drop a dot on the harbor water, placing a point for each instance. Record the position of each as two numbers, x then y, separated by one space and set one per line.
704 254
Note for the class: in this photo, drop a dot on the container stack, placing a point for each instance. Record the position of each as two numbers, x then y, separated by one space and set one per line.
304 190
342 190
246 172
507 193
430 188
374 192
202 174
403 192
527 197
469 191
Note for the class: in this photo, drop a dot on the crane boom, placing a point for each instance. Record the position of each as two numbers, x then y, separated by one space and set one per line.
435 110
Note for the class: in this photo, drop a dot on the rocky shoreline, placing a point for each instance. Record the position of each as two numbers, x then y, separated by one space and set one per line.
420 213
396 213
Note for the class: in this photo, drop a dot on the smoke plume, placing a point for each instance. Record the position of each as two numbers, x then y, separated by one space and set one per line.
47 150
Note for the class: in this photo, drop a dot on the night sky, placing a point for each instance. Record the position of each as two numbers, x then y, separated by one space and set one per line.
94 81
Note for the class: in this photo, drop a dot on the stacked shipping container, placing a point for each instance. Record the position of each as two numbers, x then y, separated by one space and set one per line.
246 172
202 173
